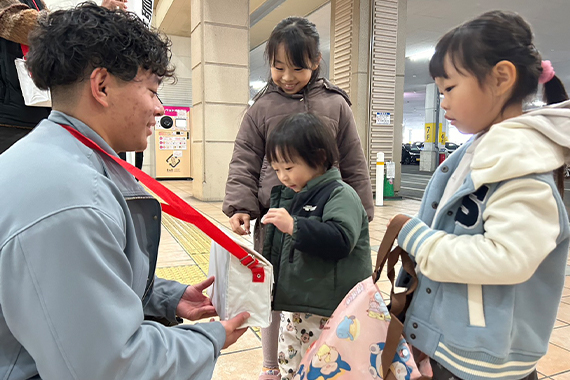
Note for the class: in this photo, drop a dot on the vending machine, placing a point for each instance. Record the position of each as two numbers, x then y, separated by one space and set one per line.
172 144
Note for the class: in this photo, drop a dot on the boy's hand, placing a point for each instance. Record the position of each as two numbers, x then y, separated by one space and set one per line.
280 218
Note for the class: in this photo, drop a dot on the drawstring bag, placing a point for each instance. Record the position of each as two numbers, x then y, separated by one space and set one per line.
248 280
234 291
363 338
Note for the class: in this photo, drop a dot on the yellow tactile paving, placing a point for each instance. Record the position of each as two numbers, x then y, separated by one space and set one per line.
256 331
190 238
194 242
185 274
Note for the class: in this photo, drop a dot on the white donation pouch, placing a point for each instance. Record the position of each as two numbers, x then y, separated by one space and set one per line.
234 290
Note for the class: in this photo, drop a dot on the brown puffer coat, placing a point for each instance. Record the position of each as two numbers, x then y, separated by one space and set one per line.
251 178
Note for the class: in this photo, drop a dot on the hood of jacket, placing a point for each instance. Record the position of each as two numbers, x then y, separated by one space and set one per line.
535 142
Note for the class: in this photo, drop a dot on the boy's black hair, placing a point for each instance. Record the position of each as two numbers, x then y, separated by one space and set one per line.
68 44
302 135
478 45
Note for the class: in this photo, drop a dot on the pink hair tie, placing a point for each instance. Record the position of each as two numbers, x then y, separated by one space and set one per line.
547 72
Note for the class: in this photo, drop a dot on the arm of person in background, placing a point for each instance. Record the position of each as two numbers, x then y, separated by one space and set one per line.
17 19
114 4
352 163
240 202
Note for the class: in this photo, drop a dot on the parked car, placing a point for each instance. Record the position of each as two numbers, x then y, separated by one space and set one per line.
410 154
451 147
418 144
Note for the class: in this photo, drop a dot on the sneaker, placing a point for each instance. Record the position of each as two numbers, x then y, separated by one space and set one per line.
269 374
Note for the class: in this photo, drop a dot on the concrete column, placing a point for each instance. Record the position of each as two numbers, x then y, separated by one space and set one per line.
220 89
428 156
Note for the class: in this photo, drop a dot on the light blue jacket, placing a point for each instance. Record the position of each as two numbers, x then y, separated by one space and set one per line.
491 265
78 245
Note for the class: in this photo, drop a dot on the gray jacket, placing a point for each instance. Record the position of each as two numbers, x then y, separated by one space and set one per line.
78 245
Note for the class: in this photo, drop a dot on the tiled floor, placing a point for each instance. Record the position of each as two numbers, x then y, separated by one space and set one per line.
243 359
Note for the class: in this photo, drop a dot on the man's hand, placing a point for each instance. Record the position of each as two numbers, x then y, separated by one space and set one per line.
281 219
231 325
114 4
194 304
240 223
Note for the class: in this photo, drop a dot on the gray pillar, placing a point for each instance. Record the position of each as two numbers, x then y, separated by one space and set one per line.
428 156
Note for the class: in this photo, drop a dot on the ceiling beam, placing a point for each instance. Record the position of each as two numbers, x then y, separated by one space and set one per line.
173 17
260 31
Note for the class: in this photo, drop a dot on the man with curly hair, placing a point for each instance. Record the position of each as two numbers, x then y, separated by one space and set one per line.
78 235
17 19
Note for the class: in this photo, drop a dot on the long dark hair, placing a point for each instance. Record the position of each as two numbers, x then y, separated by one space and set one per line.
478 45
301 39
302 135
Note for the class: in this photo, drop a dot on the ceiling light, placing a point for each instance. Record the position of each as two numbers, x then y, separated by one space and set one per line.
422 55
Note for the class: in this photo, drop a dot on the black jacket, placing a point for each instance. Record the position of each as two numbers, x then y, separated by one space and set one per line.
13 111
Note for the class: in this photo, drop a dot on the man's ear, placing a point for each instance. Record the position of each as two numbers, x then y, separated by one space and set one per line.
504 77
99 81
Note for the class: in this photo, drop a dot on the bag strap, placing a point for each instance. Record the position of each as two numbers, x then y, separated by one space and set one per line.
399 302
178 208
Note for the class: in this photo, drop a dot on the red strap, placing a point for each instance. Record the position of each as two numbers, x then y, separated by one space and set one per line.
178 208
25 50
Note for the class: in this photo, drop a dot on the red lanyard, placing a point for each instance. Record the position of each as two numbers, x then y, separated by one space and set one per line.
178 208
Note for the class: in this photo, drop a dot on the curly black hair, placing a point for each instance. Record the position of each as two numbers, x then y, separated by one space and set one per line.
68 44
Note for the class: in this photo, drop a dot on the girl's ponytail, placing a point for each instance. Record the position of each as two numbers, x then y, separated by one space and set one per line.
553 91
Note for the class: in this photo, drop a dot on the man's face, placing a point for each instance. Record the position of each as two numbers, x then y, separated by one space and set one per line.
134 106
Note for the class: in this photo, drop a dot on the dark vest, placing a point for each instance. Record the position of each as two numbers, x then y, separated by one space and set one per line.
13 111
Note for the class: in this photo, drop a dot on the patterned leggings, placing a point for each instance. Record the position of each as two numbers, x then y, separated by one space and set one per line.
440 373
297 331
